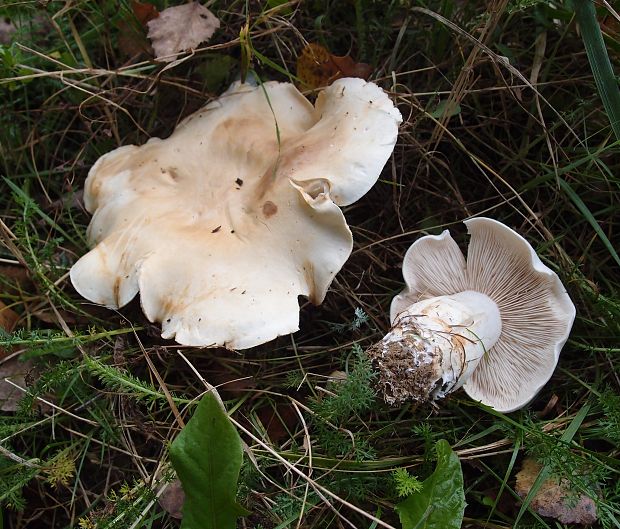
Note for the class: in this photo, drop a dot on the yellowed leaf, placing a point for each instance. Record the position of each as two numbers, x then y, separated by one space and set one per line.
181 28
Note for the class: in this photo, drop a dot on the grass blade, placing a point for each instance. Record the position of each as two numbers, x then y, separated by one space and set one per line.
581 206
599 61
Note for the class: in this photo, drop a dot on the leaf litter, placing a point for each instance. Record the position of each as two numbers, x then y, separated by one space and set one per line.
181 28
11 368
317 67
555 499
132 39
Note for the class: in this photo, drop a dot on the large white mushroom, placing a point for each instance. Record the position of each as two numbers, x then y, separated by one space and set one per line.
223 224
494 324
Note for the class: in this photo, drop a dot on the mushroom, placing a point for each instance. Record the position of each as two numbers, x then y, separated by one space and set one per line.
222 225
494 324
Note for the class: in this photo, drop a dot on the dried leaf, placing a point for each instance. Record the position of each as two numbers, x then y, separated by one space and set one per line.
132 39
278 421
8 318
144 12
181 28
17 276
232 385
131 42
7 30
349 68
317 67
555 499
172 499
48 315
610 26
16 371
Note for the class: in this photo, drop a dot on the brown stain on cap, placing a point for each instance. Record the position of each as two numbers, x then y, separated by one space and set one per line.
116 290
269 209
308 269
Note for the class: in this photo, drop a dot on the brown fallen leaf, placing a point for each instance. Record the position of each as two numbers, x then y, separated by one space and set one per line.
7 30
231 385
181 28
17 277
10 368
16 371
132 39
555 499
144 12
317 67
280 422
172 499
48 315
8 318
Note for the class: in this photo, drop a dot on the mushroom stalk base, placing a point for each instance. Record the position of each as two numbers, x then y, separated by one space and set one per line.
434 346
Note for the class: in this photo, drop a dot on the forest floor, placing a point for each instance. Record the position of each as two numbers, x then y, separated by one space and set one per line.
502 118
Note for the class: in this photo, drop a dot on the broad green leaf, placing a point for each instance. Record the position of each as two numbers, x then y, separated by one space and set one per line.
441 502
207 457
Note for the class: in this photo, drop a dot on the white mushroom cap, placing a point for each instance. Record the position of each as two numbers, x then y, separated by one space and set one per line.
222 225
535 310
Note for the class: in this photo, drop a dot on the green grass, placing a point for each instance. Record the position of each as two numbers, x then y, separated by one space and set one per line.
531 143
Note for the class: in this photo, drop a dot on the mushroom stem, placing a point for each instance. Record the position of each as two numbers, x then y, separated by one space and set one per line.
435 345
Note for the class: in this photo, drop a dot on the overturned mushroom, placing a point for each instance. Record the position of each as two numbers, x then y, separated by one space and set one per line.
222 225
494 324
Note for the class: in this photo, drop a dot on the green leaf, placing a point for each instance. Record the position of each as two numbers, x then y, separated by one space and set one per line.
277 3
215 71
442 108
207 457
441 502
